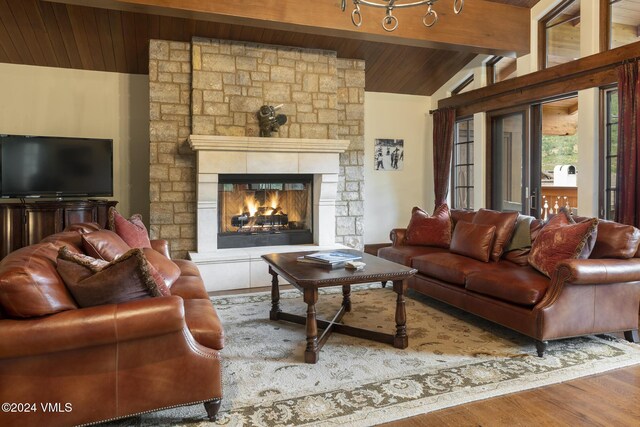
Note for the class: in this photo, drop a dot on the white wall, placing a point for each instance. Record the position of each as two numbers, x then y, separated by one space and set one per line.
390 195
77 103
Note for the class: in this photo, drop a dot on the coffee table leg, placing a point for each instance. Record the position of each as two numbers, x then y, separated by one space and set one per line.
275 296
311 354
401 340
346 297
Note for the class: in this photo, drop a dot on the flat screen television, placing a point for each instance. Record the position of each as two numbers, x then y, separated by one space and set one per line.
45 166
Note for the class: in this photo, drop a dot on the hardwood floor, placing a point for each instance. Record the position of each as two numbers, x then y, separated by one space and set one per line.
607 399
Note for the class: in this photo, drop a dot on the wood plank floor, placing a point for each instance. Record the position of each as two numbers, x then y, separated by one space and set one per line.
608 399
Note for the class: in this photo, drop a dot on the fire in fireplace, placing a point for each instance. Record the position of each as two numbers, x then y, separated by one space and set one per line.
263 210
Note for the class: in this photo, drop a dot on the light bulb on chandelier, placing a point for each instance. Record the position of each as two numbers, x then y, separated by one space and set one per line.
389 21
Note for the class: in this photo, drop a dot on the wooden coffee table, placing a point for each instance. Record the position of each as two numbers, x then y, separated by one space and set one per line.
309 278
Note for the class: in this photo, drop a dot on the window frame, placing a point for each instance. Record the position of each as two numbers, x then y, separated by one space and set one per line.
466 82
607 188
469 185
542 31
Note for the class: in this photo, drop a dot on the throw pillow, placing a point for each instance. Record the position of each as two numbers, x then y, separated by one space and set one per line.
167 270
104 244
505 223
560 239
473 240
425 230
93 282
132 230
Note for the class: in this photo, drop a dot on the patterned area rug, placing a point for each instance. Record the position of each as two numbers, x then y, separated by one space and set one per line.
453 358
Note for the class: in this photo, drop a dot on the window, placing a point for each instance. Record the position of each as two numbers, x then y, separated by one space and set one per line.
610 153
500 69
462 171
559 35
465 86
624 22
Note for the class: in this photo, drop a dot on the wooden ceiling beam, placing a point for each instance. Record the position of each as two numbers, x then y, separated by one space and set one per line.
482 27
590 71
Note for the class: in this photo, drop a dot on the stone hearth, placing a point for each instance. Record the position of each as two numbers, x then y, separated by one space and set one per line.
239 268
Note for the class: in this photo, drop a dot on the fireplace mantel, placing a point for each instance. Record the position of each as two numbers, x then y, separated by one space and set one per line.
222 155
261 144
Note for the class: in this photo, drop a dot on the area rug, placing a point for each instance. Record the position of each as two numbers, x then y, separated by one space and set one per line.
453 358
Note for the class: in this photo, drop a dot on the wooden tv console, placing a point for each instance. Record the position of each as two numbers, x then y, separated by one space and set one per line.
23 224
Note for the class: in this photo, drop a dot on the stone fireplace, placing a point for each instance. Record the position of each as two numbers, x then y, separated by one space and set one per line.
204 90
245 180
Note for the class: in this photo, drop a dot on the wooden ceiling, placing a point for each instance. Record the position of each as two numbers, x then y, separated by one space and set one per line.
36 32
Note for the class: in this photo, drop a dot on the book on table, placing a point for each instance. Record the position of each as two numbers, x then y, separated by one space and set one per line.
332 257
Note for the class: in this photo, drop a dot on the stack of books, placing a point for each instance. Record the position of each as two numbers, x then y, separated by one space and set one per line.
331 259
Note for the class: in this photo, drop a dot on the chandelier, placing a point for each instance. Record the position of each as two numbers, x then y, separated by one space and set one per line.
390 22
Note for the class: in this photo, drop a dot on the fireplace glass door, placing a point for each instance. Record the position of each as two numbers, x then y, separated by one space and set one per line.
264 210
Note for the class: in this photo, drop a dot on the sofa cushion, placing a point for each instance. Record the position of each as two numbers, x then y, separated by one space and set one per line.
461 215
132 230
169 271
560 239
104 244
203 323
30 286
450 267
83 227
473 240
189 287
94 282
615 240
428 230
404 254
520 256
71 239
505 223
187 267
518 285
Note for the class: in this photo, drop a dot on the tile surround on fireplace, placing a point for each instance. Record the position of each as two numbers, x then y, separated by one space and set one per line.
216 155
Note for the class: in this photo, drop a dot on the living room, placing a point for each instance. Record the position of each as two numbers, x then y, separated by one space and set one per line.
177 86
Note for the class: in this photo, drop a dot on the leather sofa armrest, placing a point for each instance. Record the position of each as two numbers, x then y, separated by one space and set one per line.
595 271
92 326
397 236
162 246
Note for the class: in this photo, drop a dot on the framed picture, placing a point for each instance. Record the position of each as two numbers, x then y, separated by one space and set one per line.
388 154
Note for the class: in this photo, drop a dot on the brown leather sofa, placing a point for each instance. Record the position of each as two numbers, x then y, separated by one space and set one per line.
85 365
583 296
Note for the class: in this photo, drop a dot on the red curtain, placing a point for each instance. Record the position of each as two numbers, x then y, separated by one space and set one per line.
443 127
628 177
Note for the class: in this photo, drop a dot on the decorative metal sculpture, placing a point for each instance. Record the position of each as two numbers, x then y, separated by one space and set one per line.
270 121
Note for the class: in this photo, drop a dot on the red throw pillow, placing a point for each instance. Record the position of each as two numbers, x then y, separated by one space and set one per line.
473 240
560 239
425 230
132 230
95 282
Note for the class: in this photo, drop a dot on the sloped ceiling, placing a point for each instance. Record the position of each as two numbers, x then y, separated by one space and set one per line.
43 33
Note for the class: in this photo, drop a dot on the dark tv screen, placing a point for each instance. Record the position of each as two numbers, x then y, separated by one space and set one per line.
38 166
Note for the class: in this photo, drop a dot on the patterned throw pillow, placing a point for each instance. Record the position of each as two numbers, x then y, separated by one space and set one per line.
425 230
97 282
132 230
560 239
